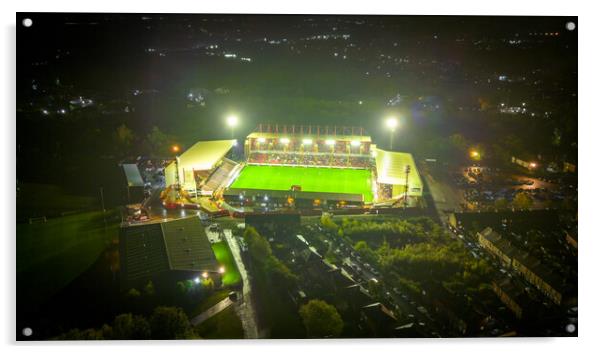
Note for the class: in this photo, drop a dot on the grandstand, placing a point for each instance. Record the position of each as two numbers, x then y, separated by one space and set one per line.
201 169
173 249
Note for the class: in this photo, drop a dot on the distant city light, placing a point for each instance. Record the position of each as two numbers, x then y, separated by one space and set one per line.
285 141
330 142
307 141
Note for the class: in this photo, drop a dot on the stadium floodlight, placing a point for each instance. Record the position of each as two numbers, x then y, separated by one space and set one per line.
232 121
392 124
330 142
355 143
307 141
222 270
261 140
205 275
285 141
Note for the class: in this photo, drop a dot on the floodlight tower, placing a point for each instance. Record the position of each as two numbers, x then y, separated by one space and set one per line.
391 124
405 195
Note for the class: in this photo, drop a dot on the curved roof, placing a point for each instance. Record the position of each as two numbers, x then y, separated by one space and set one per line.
205 154
391 168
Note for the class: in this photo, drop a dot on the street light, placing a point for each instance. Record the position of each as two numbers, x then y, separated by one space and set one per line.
222 270
392 124
232 122
175 148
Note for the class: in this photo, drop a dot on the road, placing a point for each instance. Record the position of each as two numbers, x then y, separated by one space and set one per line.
244 306
212 311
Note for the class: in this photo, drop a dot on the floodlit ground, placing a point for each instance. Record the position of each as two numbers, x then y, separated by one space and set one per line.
311 179
224 258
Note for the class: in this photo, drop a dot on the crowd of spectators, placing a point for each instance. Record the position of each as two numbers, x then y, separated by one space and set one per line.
310 159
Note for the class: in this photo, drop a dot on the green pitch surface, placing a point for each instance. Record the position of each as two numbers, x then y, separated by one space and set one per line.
311 179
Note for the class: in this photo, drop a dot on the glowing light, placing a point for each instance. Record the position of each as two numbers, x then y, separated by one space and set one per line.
474 153
285 141
222 270
197 280
261 140
391 123
307 141
232 121
330 142
532 165
175 148
205 275
355 143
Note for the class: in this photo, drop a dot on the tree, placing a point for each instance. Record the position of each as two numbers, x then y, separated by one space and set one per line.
127 326
281 273
321 319
522 201
133 294
259 247
328 223
158 141
170 323
149 289
124 136
501 203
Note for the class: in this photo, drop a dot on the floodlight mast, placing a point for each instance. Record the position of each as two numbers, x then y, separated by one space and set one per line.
405 197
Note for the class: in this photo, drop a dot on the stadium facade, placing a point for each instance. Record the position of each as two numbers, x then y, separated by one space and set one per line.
307 167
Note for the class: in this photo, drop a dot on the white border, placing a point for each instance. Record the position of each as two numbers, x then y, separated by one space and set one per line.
589 170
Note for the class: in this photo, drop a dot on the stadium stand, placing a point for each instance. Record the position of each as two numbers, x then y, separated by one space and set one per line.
176 248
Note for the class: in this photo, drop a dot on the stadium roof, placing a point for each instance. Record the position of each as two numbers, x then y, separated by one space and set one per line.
187 246
202 156
205 154
132 174
391 168
337 137
150 249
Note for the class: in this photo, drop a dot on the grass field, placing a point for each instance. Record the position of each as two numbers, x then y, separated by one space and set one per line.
224 257
51 254
311 179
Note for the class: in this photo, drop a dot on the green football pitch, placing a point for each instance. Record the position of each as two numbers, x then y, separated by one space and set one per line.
311 179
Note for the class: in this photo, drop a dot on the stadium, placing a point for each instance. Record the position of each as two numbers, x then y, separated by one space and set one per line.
293 167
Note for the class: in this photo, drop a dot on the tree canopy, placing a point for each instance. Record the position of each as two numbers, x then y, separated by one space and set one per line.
321 319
